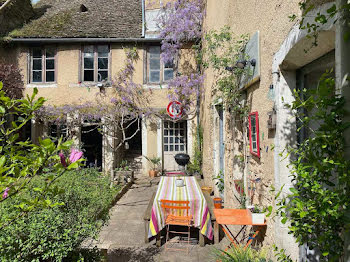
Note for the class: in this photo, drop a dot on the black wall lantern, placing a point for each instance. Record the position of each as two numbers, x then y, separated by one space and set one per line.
241 64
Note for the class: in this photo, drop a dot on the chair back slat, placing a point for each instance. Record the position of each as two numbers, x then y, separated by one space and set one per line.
175 207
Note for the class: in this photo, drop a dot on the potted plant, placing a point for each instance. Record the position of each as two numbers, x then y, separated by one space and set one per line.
155 162
220 183
123 174
258 215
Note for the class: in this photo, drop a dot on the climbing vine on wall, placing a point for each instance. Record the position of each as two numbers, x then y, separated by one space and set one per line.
221 52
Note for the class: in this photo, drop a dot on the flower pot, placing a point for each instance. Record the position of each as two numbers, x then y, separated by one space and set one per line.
208 189
258 218
218 202
152 173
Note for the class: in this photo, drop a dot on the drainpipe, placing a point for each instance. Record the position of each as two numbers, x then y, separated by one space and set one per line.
342 54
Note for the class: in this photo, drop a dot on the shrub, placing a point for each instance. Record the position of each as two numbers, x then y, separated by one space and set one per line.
240 254
11 77
55 234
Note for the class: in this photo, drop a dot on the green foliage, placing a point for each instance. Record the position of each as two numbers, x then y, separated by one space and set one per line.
123 166
195 166
281 255
154 161
316 206
241 255
341 13
221 51
22 161
220 181
55 234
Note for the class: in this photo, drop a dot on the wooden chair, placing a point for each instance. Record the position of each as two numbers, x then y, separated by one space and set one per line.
176 213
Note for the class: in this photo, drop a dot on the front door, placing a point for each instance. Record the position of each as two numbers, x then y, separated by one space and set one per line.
174 142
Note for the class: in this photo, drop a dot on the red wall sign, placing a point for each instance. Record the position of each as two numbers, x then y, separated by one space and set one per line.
174 109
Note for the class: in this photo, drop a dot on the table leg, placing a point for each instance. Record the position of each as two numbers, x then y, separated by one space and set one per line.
201 239
146 231
216 233
158 240
250 239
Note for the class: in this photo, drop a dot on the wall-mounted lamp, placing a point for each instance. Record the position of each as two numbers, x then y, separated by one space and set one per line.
241 64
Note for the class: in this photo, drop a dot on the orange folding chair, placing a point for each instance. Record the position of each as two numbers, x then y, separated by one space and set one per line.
176 213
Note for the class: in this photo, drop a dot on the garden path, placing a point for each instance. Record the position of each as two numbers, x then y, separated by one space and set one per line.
123 237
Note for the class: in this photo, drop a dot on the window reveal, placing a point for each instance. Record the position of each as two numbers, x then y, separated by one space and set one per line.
253 120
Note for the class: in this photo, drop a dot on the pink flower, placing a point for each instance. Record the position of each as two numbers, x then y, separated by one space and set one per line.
75 155
6 193
63 159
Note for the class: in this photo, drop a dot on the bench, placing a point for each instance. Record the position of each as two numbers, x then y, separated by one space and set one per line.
148 213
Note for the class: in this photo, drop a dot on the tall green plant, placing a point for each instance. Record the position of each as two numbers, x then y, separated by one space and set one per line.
317 204
22 161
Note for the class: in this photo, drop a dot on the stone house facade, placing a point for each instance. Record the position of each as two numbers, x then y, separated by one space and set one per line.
283 66
72 50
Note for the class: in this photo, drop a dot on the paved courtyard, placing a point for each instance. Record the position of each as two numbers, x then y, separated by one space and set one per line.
123 237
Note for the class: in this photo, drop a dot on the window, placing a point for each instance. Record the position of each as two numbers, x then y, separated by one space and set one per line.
254 134
95 63
43 65
174 136
158 72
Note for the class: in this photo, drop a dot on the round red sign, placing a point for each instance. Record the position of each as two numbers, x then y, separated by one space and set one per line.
174 109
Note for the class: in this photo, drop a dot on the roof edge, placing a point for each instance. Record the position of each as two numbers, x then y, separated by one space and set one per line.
84 40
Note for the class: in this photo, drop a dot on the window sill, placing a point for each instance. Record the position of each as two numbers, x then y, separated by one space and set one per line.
41 85
91 84
155 86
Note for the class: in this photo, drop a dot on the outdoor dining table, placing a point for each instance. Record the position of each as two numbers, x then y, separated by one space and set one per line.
240 217
191 191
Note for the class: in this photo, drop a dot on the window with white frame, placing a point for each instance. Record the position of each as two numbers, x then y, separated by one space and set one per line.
95 63
42 66
157 71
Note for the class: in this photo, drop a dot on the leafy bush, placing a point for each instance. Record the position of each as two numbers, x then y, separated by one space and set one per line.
240 254
55 234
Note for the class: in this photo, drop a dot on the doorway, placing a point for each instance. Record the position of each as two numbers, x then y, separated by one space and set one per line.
91 140
174 142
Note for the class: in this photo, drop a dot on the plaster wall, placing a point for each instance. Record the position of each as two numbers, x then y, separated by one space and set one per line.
270 18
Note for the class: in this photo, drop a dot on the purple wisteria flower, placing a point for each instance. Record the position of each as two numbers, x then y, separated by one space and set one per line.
6 193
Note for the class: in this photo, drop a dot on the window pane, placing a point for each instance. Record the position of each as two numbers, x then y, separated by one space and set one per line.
165 132
88 51
154 76
177 140
165 148
103 63
89 63
50 52
169 65
171 125
50 76
37 76
102 75
37 53
171 148
155 64
181 124
50 64
182 148
171 132
154 51
103 50
168 74
165 124
88 75
165 140
176 148
171 140
37 64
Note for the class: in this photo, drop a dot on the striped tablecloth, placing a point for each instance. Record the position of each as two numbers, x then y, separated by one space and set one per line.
192 192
